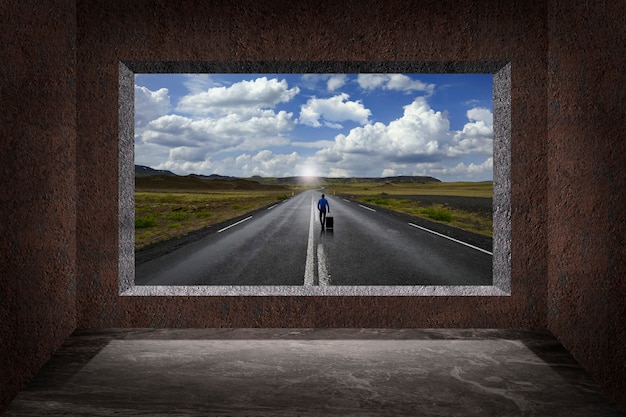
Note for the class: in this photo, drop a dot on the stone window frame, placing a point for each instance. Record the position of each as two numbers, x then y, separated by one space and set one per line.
501 176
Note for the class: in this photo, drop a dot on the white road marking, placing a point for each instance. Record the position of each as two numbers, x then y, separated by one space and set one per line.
234 224
269 208
322 267
309 269
367 208
347 201
452 239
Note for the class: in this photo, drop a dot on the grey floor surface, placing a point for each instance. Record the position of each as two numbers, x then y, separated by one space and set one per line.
307 372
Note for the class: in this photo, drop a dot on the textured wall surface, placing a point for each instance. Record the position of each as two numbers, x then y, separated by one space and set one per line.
38 198
113 31
58 160
587 191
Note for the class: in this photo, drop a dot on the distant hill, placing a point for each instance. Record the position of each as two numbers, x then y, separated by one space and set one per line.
350 180
192 183
143 171
400 178
149 178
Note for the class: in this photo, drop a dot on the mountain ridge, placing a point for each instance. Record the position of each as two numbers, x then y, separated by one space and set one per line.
144 172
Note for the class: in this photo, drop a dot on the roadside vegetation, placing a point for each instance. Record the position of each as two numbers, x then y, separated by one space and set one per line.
460 189
457 206
163 212
165 215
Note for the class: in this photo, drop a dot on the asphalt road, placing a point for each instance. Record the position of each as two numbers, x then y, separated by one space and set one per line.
285 245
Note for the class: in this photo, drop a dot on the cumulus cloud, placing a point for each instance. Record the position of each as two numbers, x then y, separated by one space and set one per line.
333 110
264 163
212 120
150 105
397 82
242 97
230 132
420 138
476 136
416 134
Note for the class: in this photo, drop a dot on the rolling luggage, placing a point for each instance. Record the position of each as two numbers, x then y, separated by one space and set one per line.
329 222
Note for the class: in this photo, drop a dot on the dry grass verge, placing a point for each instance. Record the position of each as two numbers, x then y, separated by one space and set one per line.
464 205
161 216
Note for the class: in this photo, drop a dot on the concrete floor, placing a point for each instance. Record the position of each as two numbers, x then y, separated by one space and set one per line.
307 372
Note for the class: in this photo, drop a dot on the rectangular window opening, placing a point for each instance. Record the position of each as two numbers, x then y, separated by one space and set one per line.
244 151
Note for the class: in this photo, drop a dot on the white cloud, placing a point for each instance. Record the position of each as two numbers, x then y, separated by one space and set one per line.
415 135
150 105
336 81
218 135
396 82
217 120
476 136
238 130
401 82
315 144
150 155
332 81
186 154
467 171
420 139
333 110
480 114
371 81
264 163
243 97
337 172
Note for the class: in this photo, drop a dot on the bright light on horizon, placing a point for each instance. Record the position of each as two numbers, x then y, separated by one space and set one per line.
308 171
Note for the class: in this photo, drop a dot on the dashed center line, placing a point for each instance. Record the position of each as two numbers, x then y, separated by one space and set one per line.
322 266
309 269
323 276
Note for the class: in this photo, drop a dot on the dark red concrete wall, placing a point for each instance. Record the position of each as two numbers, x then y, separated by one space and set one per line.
114 30
58 162
38 195
587 191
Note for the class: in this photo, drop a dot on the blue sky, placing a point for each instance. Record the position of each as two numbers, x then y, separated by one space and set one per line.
338 125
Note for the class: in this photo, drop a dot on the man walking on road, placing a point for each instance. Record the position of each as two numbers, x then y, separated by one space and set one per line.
322 206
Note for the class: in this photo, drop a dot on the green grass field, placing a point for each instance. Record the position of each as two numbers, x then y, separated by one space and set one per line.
165 215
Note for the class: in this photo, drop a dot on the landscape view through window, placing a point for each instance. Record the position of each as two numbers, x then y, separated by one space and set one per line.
229 170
